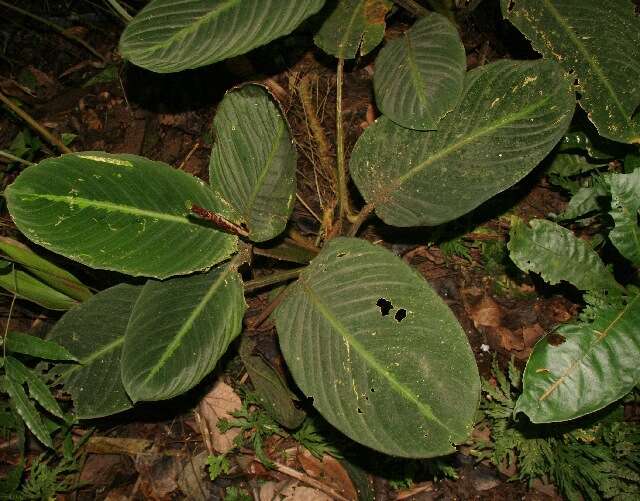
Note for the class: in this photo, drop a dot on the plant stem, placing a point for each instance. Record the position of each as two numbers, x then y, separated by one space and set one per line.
412 6
120 10
14 158
54 140
274 278
55 27
268 310
343 195
359 219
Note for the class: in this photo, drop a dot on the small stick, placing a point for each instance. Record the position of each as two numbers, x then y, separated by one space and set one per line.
308 480
14 158
55 141
219 221
268 310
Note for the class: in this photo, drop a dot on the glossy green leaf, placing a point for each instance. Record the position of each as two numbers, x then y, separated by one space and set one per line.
17 372
273 392
510 116
28 287
557 254
45 270
599 44
18 342
583 367
94 333
178 331
253 161
352 26
27 411
119 212
168 36
625 206
382 356
419 77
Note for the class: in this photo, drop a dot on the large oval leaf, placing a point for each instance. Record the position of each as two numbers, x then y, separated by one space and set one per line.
178 330
168 36
625 207
94 334
353 25
253 162
510 116
419 76
583 367
579 35
118 212
383 357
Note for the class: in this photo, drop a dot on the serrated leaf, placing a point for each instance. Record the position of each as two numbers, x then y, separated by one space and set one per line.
119 212
94 333
419 77
625 204
168 36
273 392
17 372
18 342
583 367
253 161
382 356
178 330
27 411
510 116
352 26
577 34
557 254
30 288
48 272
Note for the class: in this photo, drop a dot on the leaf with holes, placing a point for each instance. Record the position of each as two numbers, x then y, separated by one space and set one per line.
118 212
168 36
419 76
583 367
178 330
382 356
253 161
352 26
94 333
578 34
510 116
557 254
625 207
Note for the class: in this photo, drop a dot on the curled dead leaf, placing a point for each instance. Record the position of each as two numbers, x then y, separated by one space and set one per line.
329 471
218 404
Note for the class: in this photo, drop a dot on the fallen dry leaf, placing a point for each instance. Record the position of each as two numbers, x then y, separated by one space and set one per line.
270 491
218 404
531 334
329 471
487 313
303 493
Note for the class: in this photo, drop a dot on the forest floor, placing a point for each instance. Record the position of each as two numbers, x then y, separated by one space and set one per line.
108 105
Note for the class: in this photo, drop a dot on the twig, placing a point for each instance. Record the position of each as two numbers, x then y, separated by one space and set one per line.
360 218
14 158
306 206
413 7
274 278
307 480
55 27
268 310
33 123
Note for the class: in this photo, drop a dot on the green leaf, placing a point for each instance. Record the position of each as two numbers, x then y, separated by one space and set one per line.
94 333
419 77
168 36
586 200
273 392
253 161
583 367
353 25
28 287
17 372
178 331
567 164
625 204
578 34
17 342
45 270
27 411
382 356
510 116
557 254
119 212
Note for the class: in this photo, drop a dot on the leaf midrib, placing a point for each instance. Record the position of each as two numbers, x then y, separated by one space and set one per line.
416 77
406 393
348 31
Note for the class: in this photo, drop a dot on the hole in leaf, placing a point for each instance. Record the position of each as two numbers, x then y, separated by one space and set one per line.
341 254
373 390
359 410
385 306
309 400
556 339
400 314
512 4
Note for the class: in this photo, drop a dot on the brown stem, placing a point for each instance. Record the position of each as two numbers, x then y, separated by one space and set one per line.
274 278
